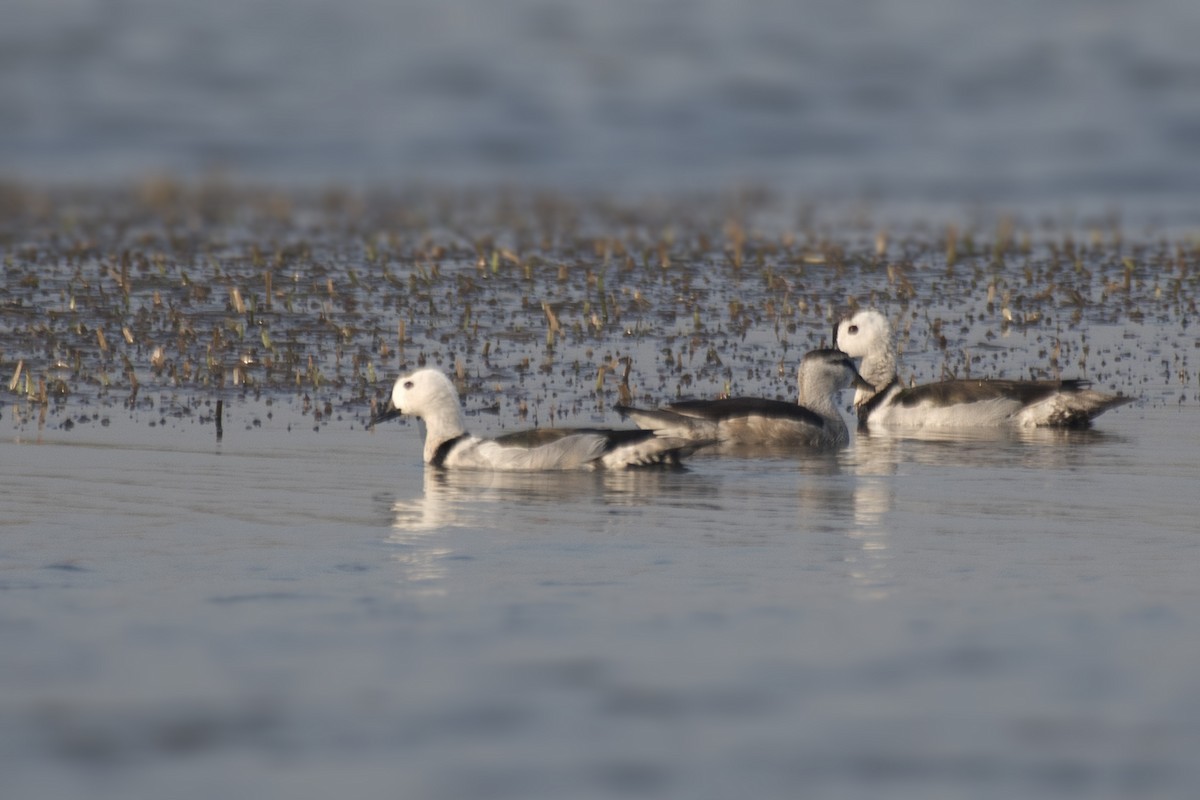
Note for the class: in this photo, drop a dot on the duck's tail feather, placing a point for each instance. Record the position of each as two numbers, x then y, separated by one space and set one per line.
652 451
671 425
1075 409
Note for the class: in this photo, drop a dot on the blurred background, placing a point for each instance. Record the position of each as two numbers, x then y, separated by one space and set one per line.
1027 103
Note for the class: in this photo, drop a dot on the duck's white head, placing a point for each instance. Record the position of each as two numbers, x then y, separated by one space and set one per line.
864 333
867 335
428 394
423 392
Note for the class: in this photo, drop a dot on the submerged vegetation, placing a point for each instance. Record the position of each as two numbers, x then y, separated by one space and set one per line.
166 298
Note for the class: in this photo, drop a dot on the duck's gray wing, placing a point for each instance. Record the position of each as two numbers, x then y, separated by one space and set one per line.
734 407
748 421
538 437
956 392
535 437
570 448
670 425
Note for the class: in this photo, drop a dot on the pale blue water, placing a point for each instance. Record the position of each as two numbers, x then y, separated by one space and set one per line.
1057 106
306 613
301 610
297 614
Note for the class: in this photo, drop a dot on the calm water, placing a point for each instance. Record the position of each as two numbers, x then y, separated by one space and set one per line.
301 610
293 614
1076 105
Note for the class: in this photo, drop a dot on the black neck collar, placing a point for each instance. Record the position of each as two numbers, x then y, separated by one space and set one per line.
443 450
864 410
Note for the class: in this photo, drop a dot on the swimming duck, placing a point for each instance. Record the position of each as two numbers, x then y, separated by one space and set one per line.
867 334
429 395
812 422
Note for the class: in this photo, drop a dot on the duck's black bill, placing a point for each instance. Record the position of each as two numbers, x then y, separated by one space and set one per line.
391 412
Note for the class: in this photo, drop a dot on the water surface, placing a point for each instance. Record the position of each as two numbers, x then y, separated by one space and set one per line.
293 605
292 613
1070 106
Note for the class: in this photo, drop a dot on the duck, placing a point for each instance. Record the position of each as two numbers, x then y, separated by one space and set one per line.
813 422
963 403
429 395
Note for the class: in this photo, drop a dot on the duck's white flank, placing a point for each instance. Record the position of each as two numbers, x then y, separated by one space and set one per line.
868 335
813 422
429 395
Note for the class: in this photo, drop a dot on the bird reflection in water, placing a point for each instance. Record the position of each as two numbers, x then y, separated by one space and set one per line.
884 451
524 501
873 572
840 495
878 458
416 524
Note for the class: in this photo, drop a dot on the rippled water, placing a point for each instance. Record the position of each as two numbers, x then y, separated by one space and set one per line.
293 613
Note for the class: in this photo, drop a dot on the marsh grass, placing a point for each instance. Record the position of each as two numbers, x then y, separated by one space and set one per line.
164 296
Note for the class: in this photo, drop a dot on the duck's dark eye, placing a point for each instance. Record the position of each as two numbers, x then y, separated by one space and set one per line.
408 384
852 329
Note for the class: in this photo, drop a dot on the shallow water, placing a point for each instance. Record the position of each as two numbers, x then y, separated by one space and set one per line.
298 608
293 613
302 610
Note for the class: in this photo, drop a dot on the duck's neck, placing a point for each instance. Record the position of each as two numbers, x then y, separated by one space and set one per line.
814 399
441 426
878 368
